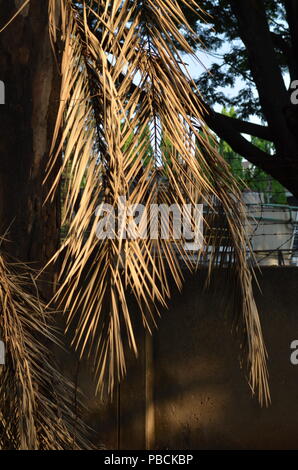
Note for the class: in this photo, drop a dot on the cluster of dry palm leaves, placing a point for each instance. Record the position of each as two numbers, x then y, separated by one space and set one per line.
122 74
35 400
122 77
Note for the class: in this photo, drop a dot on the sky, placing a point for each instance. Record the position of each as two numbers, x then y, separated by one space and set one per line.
206 59
196 68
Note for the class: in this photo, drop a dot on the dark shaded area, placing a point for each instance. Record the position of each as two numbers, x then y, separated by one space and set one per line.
201 396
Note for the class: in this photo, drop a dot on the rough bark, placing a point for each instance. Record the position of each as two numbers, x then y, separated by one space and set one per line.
30 74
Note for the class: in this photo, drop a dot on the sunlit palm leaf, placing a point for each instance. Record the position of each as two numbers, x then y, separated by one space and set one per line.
121 74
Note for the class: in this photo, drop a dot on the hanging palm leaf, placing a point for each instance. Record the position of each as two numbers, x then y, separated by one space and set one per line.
36 409
122 74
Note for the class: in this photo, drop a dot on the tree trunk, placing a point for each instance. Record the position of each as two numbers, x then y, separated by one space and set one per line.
280 113
31 78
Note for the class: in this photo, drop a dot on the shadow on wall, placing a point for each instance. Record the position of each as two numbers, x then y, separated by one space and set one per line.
200 396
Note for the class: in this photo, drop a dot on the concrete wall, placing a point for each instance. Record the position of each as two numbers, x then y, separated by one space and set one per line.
187 391
202 398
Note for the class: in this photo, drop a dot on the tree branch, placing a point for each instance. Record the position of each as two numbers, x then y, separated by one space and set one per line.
244 127
291 7
225 129
255 34
229 129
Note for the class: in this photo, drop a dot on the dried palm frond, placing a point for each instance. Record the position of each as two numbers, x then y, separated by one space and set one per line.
35 400
122 80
